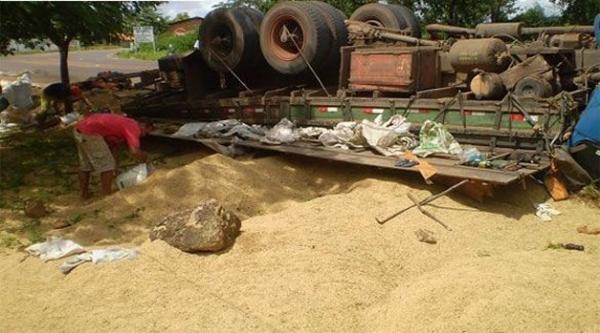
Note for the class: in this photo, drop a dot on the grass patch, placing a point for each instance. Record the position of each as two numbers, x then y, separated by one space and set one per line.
592 192
32 231
10 241
166 43
142 55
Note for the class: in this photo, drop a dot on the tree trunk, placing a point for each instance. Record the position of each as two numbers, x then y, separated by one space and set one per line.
63 49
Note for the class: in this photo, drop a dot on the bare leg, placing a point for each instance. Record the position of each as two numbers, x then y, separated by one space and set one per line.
84 184
106 179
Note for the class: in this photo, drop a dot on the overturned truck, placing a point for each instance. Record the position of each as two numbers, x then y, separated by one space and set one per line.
511 92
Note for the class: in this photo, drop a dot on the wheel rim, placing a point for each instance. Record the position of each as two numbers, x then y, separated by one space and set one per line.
282 47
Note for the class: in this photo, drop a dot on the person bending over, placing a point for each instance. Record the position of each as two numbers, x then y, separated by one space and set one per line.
98 137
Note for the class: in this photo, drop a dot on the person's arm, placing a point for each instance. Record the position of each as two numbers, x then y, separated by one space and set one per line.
138 154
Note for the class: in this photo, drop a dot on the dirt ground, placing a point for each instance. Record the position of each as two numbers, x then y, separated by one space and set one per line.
310 256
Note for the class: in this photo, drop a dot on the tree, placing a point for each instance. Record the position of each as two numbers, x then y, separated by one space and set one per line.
148 16
536 17
579 11
180 17
61 22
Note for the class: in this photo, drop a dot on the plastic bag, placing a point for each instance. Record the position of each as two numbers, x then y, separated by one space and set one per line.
18 93
435 138
133 176
283 132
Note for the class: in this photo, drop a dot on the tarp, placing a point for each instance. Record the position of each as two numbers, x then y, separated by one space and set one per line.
597 29
587 127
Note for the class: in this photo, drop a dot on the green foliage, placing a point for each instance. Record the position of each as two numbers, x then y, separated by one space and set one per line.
180 17
10 241
535 17
147 16
61 22
167 43
578 11
458 12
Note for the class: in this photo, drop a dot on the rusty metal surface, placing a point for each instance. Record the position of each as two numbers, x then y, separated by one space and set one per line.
394 69
536 65
487 54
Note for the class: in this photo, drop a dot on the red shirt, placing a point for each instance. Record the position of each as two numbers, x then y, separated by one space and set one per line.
114 128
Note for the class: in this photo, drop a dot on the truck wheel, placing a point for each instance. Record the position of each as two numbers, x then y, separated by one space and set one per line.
409 18
379 15
230 39
305 23
531 86
335 21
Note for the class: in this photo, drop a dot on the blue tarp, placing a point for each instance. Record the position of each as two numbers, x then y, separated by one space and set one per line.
597 29
588 126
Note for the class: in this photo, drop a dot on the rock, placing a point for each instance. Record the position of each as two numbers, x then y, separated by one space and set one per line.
35 209
207 227
425 236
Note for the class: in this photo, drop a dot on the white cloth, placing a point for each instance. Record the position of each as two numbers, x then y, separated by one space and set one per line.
54 249
97 257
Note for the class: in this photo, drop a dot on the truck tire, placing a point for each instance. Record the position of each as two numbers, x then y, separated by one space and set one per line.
306 22
531 86
380 15
409 18
339 33
230 36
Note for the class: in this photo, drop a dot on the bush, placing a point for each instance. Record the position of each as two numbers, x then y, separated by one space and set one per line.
166 43
179 44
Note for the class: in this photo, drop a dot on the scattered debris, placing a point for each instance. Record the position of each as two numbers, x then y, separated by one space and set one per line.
207 227
98 257
425 236
545 212
55 248
35 209
435 138
584 229
567 246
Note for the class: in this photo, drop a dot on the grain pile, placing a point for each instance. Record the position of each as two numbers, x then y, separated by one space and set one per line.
249 188
316 261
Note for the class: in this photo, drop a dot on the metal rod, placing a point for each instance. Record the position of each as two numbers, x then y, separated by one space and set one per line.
426 213
230 70
289 35
424 201
558 30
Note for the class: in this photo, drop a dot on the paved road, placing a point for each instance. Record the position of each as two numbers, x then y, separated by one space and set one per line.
44 67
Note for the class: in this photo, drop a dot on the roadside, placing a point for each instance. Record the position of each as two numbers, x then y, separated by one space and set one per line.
82 65
166 44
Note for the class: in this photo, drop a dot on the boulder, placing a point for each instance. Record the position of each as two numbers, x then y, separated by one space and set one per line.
207 227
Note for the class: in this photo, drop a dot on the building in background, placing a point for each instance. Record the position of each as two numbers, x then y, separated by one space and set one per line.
184 27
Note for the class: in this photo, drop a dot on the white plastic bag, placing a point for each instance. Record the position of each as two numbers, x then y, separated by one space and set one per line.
18 93
133 176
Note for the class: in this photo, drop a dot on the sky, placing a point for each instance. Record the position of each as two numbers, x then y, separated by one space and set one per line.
200 8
